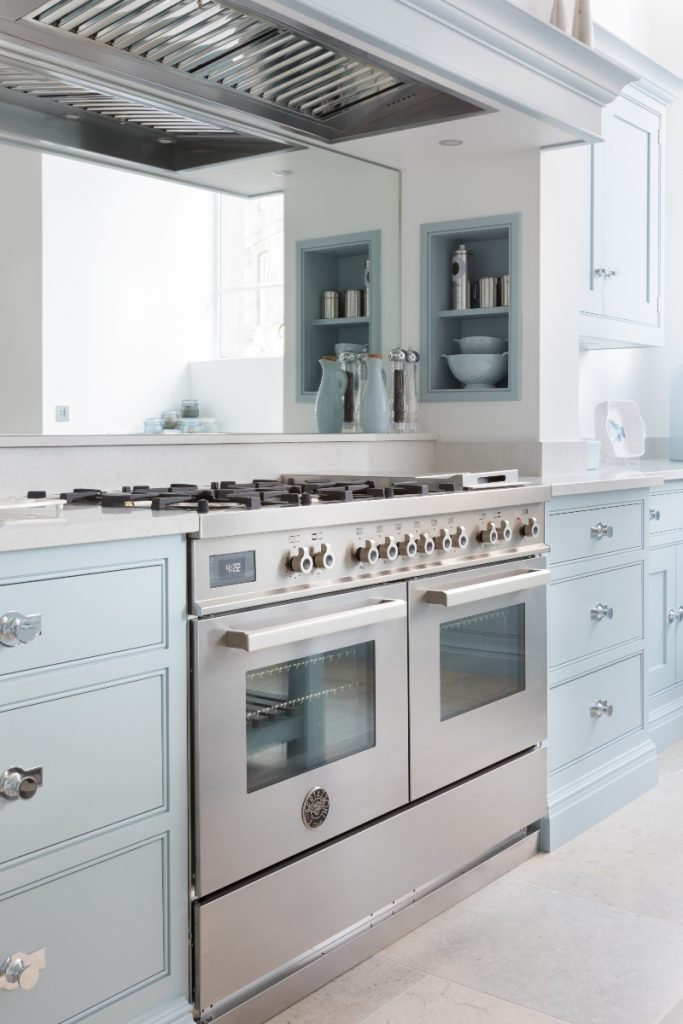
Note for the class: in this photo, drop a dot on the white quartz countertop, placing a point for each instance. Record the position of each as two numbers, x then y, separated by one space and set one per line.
614 477
88 525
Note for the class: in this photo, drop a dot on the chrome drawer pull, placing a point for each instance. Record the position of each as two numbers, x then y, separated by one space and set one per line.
21 970
20 784
601 530
600 708
16 628
601 611
655 515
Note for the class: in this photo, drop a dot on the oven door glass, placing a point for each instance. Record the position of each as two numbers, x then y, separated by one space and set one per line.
482 659
308 712
300 727
478 676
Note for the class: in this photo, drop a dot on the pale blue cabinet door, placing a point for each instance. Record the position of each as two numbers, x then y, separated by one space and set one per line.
594 241
663 635
679 608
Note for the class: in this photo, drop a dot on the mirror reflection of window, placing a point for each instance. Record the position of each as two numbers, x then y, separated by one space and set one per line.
251 286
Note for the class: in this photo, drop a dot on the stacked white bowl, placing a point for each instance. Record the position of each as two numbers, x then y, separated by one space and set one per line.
480 363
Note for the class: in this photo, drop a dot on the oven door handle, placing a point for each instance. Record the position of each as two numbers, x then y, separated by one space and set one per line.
498 587
310 629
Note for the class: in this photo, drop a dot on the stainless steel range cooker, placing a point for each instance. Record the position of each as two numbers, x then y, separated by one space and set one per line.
369 714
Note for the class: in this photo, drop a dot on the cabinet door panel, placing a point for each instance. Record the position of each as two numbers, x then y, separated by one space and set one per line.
662 634
630 195
593 285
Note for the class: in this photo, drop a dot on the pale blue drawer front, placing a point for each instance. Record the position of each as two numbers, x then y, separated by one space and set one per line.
575 633
573 732
103 928
103 753
87 616
575 535
667 512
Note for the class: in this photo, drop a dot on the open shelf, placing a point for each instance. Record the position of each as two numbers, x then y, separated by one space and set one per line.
333 264
495 243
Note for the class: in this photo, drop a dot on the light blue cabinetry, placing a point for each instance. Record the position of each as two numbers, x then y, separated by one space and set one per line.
93 868
665 616
600 752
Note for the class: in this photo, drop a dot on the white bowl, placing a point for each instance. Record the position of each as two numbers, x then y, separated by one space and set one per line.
481 343
478 371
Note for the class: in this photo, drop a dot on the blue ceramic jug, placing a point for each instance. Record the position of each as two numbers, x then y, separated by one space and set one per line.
329 402
374 408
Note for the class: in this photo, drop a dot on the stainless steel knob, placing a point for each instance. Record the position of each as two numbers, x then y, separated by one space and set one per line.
601 707
489 535
324 559
655 515
20 783
601 611
601 530
17 628
407 546
444 541
673 616
600 273
531 528
21 970
301 562
505 530
389 549
425 544
460 538
368 553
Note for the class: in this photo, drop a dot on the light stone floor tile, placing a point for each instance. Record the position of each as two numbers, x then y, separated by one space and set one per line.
565 956
675 1016
436 1001
354 996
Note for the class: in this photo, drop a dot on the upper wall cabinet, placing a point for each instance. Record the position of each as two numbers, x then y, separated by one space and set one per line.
622 269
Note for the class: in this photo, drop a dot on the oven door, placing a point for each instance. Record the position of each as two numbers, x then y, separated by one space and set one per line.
300 727
477 670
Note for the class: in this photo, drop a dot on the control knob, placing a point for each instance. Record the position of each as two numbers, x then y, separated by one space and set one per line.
531 528
324 559
408 547
301 562
489 535
425 544
368 553
389 549
505 530
444 542
460 538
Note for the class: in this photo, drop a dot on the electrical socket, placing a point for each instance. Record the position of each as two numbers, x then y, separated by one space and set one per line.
62 413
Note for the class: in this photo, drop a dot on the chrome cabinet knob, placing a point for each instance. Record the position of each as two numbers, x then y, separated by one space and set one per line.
425 544
489 535
368 553
21 970
505 530
324 559
20 784
655 515
301 562
17 628
600 273
602 611
407 546
531 528
601 530
389 549
600 708
444 542
672 616
611 273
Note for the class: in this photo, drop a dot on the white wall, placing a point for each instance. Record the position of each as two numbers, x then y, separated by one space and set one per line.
128 294
243 395
20 290
443 184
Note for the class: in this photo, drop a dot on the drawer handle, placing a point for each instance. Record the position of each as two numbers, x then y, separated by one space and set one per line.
21 970
601 530
655 515
20 784
600 708
16 628
601 611
675 615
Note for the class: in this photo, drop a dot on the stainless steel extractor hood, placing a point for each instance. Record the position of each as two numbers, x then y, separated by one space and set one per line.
212 80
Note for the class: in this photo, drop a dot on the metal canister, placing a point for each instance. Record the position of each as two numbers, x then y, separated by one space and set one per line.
352 302
365 298
504 283
330 305
487 292
462 261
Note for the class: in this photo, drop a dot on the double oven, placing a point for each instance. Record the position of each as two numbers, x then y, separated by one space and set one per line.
317 717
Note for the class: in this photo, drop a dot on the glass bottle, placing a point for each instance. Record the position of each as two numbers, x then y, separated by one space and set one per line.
351 367
412 404
403 391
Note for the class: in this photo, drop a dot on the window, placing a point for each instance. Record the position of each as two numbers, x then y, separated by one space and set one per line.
251 283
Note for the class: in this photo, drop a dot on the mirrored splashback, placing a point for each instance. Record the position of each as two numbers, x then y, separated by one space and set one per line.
123 295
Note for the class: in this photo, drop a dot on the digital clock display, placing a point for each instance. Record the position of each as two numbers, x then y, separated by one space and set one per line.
228 570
